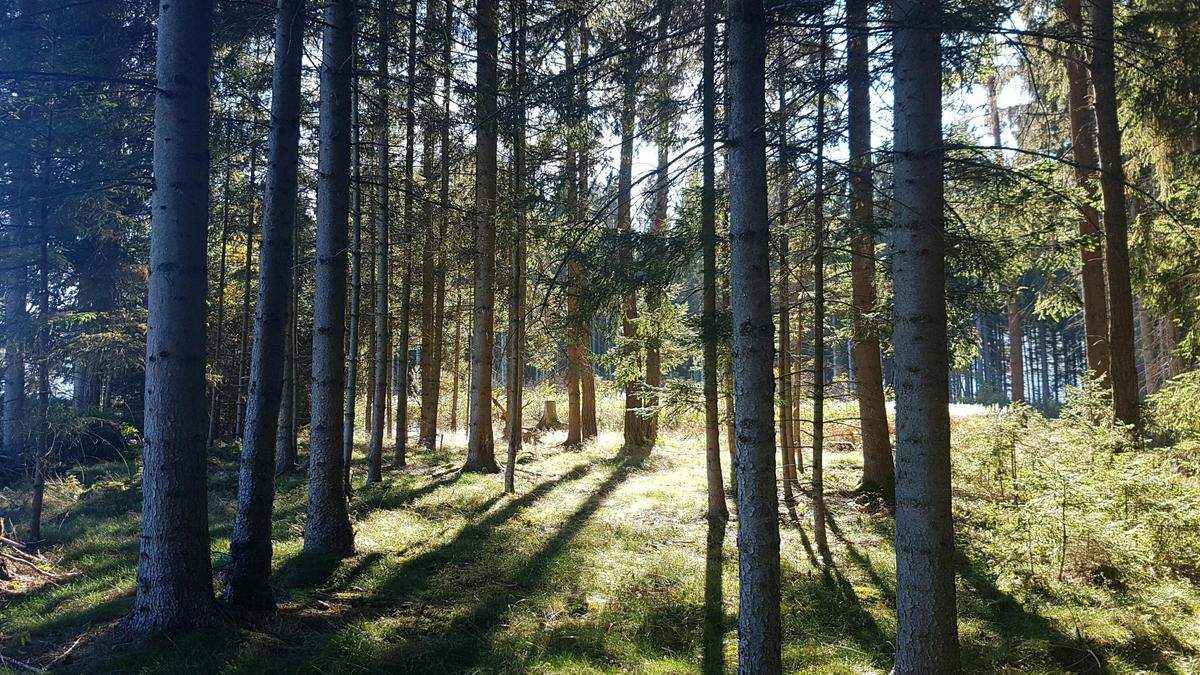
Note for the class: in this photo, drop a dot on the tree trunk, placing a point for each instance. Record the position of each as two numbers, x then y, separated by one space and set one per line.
382 244
927 636
217 362
1122 365
481 452
1016 363
248 579
718 511
635 426
242 392
878 476
174 572
818 402
516 306
587 376
786 421
458 311
327 531
759 640
402 378
350 405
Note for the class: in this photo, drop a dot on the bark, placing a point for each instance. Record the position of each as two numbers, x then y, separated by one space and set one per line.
213 407
516 307
759 640
42 345
481 453
878 476
587 377
402 379
636 429
785 325
327 531
574 283
927 637
247 583
1083 149
285 433
431 247
1122 365
818 402
1016 361
244 339
350 406
457 358
174 572
382 211
718 511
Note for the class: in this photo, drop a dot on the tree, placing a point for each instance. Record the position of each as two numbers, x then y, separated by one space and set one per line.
516 306
174 571
878 477
1122 365
753 342
481 451
250 547
927 637
717 509
327 530
382 211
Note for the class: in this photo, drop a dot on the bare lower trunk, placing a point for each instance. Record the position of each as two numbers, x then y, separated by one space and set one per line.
1122 365
516 306
759 640
587 376
382 248
327 530
353 349
818 402
636 429
174 572
718 511
927 636
248 578
481 453
878 476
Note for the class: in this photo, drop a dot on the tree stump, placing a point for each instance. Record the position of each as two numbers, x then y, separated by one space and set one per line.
549 418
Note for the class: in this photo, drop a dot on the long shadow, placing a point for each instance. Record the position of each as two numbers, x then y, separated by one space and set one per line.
841 600
713 657
862 561
465 641
1015 625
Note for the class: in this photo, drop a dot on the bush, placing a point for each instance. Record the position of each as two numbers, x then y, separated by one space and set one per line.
1074 499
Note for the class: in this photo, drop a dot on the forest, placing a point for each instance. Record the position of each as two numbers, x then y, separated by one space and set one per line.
638 336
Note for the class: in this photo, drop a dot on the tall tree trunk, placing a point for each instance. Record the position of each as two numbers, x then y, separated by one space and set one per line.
783 178
382 244
42 347
574 332
402 377
481 452
247 582
1016 365
587 376
927 637
285 434
16 315
443 227
818 402
174 572
1083 149
458 322
1122 365
878 476
244 339
217 362
350 405
759 640
327 530
516 306
718 511
636 429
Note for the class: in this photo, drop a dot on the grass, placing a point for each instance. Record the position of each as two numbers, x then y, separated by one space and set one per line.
599 563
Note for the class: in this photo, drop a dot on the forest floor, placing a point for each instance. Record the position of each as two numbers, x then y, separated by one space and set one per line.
599 563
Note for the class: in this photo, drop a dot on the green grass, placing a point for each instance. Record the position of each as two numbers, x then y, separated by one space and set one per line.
597 564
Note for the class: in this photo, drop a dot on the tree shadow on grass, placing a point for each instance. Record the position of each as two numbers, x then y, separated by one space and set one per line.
467 639
713 656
